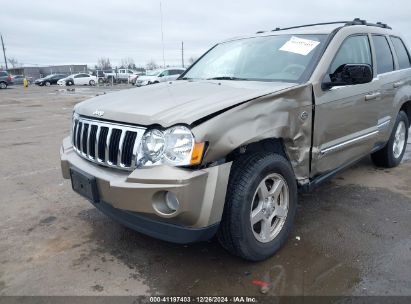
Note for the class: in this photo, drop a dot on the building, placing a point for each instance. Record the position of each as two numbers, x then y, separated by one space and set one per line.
38 72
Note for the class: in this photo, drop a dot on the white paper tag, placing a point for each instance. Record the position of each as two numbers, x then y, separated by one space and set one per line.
299 46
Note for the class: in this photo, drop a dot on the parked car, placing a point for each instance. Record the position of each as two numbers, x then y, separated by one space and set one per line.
133 78
119 75
78 79
49 80
100 76
5 80
63 81
158 76
225 149
19 79
124 74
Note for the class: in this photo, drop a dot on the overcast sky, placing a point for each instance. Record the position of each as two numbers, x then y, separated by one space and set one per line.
79 32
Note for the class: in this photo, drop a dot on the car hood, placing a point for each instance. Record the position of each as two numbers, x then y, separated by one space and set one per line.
175 102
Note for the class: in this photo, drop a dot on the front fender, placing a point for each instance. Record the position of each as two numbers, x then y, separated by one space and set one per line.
277 115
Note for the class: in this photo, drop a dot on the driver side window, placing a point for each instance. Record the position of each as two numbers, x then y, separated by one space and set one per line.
354 50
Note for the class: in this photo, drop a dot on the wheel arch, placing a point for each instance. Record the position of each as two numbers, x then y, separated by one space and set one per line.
406 107
272 145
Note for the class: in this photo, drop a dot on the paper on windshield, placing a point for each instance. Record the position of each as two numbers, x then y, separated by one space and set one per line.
299 46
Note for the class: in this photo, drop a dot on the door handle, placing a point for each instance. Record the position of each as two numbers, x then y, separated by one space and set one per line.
398 84
372 96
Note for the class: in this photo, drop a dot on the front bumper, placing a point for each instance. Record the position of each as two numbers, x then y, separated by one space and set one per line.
131 197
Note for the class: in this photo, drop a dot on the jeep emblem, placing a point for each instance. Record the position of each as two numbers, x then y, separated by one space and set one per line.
98 113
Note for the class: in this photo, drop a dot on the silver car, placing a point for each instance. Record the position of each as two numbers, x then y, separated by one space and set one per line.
157 76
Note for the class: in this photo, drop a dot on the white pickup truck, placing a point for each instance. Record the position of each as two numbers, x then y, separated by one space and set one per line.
118 75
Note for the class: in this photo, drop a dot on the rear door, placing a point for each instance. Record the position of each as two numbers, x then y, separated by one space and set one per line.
384 68
345 125
396 83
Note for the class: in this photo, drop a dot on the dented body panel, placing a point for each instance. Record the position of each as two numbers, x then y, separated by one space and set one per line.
285 115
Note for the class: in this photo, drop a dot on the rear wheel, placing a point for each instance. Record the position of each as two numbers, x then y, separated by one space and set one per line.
391 155
3 85
260 206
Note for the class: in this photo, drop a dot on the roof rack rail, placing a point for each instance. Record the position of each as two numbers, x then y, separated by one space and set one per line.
356 21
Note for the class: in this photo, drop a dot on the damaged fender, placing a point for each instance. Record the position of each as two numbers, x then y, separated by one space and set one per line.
285 115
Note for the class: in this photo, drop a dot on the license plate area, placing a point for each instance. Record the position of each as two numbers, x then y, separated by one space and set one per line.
84 184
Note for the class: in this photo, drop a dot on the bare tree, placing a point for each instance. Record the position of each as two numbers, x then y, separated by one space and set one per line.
128 63
104 63
151 65
191 60
13 61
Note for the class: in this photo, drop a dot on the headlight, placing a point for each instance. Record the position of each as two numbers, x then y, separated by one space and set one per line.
175 146
153 145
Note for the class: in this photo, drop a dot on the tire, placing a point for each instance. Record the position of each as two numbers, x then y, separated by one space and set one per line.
92 82
47 83
100 80
3 85
236 234
70 83
391 155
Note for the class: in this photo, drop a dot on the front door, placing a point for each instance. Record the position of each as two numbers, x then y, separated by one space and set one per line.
345 125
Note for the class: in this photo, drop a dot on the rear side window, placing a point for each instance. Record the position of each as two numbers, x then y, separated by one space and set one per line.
354 50
385 61
402 53
3 74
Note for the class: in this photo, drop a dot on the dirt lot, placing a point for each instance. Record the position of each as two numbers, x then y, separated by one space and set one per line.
352 235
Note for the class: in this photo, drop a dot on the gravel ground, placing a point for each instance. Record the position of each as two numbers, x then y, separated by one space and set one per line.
352 235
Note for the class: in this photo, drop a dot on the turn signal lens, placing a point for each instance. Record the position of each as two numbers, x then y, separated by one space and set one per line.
197 154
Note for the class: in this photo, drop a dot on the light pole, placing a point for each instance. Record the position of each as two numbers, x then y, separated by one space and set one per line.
162 34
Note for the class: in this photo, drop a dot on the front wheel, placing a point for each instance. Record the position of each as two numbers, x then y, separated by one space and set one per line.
47 83
391 155
260 206
92 82
3 85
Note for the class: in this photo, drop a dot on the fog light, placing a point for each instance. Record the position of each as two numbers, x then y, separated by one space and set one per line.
172 201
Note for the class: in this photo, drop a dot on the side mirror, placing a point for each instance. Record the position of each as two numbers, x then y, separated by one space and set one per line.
348 74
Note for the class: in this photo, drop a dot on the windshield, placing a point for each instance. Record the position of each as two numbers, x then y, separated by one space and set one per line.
269 58
153 73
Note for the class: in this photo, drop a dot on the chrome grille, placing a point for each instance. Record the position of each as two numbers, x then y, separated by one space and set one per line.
105 143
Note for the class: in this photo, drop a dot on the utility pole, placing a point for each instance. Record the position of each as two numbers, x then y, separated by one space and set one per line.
162 34
4 52
182 53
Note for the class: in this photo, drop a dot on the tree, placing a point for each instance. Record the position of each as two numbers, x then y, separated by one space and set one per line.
128 63
151 65
104 63
13 61
191 60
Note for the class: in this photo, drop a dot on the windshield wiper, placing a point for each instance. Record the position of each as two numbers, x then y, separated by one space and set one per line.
226 78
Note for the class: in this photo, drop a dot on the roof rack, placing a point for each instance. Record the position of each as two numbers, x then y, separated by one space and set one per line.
356 21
